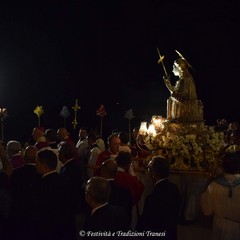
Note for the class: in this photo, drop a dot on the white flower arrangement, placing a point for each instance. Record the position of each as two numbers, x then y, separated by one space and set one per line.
188 150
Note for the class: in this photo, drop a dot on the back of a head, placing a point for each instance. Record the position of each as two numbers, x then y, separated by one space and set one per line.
135 132
39 128
235 137
47 157
83 132
51 135
160 166
38 132
114 143
30 154
92 137
231 162
62 133
224 122
111 138
108 169
123 137
123 159
95 131
67 150
13 147
83 127
233 126
99 189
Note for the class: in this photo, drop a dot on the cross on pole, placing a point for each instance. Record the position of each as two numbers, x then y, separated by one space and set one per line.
75 108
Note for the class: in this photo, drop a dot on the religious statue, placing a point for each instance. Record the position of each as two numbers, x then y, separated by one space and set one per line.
183 105
183 137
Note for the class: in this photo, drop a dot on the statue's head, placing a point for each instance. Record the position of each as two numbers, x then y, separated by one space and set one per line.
179 67
181 64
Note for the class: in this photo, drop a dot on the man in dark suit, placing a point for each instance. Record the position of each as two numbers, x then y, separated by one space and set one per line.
161 208
103 216
126 177
72 173
51 210
51 138
119 195
21 182
27 175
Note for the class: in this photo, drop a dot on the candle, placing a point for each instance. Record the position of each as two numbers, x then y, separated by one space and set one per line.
143 128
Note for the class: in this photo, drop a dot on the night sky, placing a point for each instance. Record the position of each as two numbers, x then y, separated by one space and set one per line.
104 52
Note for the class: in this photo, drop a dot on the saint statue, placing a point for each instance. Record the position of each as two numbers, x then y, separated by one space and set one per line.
183 105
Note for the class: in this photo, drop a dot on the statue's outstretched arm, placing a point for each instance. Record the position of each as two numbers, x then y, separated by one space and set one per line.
168 83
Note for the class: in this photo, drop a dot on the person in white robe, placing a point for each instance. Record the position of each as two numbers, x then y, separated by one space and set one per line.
222 199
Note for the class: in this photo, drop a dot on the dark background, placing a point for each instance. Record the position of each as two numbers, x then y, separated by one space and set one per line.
104 52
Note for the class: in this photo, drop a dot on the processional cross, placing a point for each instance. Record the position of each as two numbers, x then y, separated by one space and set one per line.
75 108
161 61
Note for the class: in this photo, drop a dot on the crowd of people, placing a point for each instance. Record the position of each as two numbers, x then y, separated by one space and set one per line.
55 188
49 185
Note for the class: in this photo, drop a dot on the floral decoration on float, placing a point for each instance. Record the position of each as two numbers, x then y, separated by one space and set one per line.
189 147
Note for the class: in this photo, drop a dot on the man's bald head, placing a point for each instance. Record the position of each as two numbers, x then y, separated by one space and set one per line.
62 134
30 154
108 169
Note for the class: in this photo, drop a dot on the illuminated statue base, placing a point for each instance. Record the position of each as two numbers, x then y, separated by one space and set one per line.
190 111
190 147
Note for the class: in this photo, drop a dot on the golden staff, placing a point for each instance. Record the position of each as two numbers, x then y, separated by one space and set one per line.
161 61
75 108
